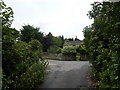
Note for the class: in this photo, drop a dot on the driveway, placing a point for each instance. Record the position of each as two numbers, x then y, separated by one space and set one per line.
66 74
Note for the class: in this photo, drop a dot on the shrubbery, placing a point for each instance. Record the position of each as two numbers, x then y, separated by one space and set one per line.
23 66
102 41
81 50
54 49
69 49
25 69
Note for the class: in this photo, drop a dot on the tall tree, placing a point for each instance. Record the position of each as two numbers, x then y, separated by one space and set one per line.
63 40
7 14
29 32
103 39
48 41
87 31
59 41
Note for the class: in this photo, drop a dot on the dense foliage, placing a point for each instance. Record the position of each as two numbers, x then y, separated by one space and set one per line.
48 41
29 33
102 41
23 66
69 49
51 43
7 14
53 49
81 49
58 44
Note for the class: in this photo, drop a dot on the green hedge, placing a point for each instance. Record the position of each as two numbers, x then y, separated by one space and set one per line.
20 61
21 67
69 49
54 49
102 41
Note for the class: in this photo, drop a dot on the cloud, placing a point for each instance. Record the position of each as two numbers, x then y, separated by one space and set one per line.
61 17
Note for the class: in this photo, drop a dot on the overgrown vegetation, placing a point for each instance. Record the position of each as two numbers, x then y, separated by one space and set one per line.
69 49
23 66
51 43
102 41
78 50
29 33
81 53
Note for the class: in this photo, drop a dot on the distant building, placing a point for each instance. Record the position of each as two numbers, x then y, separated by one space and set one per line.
73 43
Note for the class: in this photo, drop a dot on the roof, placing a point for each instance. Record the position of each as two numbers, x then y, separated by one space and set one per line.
73 43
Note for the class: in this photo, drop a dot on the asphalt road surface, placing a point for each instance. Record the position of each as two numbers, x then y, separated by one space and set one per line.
66 74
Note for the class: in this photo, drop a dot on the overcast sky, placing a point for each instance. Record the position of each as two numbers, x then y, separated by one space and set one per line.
60 17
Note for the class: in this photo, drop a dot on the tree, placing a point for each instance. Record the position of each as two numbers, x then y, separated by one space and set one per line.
29 33
9 35
69 39
7 14
76 39
59 41
87 31
102 41
48 41
63 40
20 60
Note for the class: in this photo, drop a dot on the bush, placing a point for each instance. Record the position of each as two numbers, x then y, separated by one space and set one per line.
102 41
53 49
23 58
20 60
35 45
81 49
33 75
59 50
69 49
78 56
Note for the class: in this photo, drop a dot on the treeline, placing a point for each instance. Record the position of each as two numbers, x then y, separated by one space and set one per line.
49 42
102 41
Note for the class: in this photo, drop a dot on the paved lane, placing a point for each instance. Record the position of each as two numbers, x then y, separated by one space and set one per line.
66 74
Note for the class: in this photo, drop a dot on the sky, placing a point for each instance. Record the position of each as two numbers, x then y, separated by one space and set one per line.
60 17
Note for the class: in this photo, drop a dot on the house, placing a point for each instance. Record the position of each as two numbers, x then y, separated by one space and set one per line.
73 43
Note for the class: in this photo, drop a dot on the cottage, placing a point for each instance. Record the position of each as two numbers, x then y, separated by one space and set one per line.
73 43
